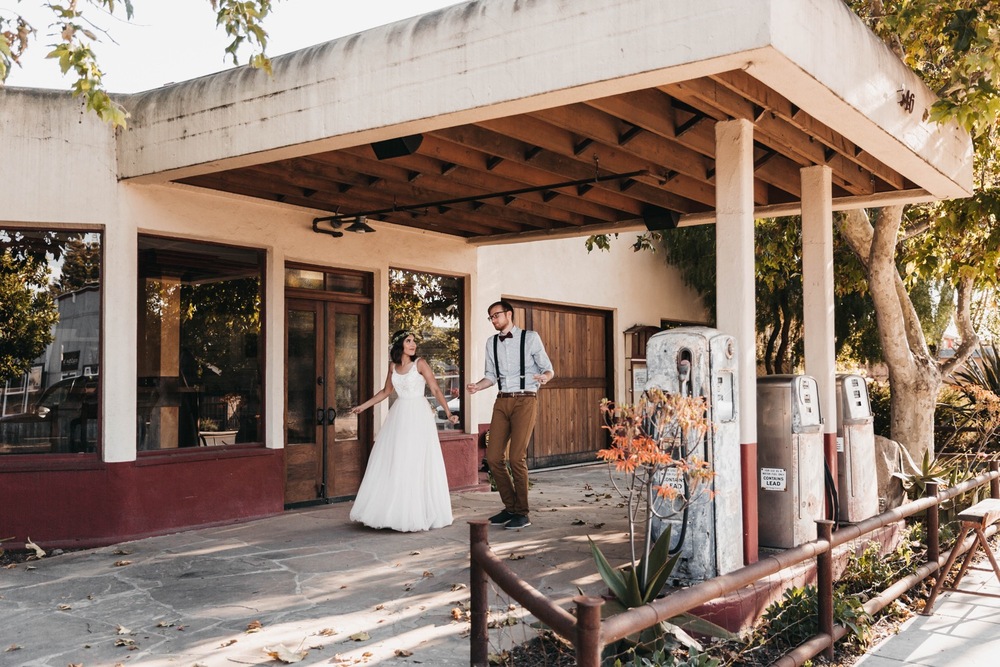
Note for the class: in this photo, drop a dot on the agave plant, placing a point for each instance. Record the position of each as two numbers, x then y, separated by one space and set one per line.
645 441
979 384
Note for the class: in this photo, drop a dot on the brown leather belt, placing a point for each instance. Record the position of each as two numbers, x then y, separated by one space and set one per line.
515 394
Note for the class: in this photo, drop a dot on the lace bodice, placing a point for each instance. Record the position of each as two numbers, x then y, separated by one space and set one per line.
410 384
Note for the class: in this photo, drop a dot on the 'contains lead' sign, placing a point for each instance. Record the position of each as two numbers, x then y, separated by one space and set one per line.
772 479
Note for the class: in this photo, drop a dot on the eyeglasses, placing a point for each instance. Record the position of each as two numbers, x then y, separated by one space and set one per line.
495 315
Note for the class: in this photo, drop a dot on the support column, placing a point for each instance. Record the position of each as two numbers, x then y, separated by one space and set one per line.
735 296
274 364
818 301
120 335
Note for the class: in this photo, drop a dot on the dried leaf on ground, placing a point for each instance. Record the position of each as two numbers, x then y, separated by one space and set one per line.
227 643
360 636
327 632
254 626
12 647
39 552
122 630
403 653
285 654
122 563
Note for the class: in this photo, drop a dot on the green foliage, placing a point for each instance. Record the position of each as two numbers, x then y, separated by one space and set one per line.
75 33
636 586
81 266
870 572
954 45
880 400
27 310
978 386
667 658
794 619
948 472
428 305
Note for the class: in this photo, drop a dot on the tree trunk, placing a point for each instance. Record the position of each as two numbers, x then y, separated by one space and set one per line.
915 377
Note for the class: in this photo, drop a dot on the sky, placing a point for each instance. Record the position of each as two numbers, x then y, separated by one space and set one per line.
176 40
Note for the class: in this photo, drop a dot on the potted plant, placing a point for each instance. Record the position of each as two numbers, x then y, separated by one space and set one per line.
209 433
647 440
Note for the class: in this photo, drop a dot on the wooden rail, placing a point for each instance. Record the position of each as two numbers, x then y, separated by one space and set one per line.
589 634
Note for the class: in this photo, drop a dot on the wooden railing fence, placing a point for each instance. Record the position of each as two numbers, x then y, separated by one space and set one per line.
589 634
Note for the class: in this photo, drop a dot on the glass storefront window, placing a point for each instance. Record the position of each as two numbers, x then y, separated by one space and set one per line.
199 350
50 306
431 306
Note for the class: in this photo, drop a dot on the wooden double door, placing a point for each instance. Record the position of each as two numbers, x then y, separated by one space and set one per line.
579 343
327 352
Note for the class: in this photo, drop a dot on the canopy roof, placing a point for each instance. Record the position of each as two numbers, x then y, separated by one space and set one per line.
512 119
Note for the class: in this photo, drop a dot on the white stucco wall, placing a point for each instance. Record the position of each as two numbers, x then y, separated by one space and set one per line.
43 134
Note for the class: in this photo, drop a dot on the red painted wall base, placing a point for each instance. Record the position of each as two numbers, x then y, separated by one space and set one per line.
96 504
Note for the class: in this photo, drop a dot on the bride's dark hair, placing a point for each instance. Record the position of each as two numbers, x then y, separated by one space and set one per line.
396 351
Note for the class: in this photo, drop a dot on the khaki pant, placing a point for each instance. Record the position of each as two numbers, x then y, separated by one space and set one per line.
513 421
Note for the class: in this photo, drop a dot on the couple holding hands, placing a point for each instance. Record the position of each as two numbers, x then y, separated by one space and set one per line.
405 487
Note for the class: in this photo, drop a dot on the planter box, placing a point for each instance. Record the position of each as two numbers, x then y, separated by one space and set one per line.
461 458
206 438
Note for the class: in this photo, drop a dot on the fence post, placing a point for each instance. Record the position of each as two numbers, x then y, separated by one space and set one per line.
933 525
824 583
588 631
994 483
478 597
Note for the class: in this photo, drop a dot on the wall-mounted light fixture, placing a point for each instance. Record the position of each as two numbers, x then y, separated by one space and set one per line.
359 226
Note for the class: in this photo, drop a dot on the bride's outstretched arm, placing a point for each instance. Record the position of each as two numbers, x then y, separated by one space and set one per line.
382 394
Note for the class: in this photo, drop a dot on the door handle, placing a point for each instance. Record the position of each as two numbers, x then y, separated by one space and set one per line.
319 416
331 415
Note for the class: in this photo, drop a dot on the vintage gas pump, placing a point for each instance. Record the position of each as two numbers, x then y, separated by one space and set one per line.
857 483
707 532
790 460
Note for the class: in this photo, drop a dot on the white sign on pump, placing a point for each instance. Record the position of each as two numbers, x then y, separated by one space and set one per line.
773 479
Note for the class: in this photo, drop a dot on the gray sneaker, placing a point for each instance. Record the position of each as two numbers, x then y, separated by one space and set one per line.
502 518
518 521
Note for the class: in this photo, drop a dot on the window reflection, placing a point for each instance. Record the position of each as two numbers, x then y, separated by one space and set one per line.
199 368
431 306
50 306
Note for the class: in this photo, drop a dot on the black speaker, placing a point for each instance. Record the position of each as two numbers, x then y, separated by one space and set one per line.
657 218
397 147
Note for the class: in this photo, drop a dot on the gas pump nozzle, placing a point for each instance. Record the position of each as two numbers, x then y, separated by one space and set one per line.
684 376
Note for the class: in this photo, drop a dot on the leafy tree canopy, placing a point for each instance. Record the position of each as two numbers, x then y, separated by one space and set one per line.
27 307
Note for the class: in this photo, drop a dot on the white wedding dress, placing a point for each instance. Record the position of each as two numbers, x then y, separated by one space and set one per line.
405 486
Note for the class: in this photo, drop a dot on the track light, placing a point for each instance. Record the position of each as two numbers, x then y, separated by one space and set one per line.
359 226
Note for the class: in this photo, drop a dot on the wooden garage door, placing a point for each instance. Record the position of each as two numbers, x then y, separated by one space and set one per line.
579 343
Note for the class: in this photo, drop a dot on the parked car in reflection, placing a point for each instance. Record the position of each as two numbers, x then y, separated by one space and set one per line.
62 419
454 404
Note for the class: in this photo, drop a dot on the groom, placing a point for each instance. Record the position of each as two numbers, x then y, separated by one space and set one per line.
516 361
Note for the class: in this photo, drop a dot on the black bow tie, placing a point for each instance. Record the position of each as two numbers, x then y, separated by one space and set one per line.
509 334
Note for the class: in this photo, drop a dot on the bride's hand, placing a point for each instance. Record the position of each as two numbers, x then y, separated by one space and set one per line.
356 410
453 419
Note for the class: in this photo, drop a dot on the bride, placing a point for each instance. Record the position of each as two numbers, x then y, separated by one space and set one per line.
405 487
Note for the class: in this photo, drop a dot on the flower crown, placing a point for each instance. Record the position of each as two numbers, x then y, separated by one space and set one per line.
401 336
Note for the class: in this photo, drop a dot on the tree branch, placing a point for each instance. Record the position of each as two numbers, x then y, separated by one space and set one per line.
963 322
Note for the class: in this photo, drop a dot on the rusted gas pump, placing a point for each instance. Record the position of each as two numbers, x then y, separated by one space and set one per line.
708 531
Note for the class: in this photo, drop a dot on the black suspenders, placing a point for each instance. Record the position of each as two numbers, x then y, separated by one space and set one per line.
496 359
